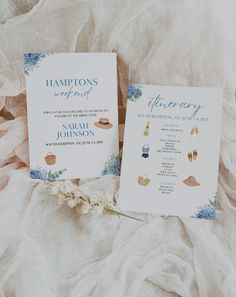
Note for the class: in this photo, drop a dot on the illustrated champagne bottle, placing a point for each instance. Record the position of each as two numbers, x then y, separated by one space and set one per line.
146 130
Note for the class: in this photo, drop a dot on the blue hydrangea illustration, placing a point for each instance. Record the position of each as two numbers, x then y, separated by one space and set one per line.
32 60
38 174
207 211
134 92
45 175
112 166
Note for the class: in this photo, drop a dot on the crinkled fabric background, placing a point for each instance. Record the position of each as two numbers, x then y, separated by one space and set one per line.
52 251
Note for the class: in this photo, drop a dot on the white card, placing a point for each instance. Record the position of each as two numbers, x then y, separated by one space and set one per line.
171 150
72 114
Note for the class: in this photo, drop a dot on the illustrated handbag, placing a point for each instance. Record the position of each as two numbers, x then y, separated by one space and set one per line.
50 159
143 180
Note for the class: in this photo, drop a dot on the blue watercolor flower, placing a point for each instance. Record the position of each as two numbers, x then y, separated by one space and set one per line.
43 174
38 174
31 61
207 211
134 92
112 166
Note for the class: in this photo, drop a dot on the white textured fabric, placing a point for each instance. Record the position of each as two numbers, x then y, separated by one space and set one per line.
50 250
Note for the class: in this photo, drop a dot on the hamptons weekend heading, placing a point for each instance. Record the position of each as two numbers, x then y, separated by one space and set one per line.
73 87
85 86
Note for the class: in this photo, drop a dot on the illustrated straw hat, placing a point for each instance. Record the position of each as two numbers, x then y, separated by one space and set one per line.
103 123
191 181
50 159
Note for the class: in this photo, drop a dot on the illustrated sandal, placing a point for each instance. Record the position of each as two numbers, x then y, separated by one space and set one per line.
194 130
190 156
194 154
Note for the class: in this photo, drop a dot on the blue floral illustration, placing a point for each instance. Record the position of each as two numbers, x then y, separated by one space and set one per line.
112 166
207 211
32 60
38 174
43 174
134 92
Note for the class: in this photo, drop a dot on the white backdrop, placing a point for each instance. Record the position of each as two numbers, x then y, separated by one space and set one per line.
47 250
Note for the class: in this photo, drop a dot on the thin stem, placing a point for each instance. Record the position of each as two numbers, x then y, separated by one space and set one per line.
121 214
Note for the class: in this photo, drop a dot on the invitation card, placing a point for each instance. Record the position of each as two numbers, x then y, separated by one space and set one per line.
171 150
72 113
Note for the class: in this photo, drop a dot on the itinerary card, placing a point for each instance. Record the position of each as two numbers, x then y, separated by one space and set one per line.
171 150
72 113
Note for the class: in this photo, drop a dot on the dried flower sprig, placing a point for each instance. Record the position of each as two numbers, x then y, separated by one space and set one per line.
96 203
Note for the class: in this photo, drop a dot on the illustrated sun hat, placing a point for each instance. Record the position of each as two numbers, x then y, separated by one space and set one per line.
191 181
103 123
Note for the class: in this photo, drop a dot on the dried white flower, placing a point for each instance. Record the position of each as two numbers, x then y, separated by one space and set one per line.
101 198
97 209
92 202
85 208
71 203
77 193
67 186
